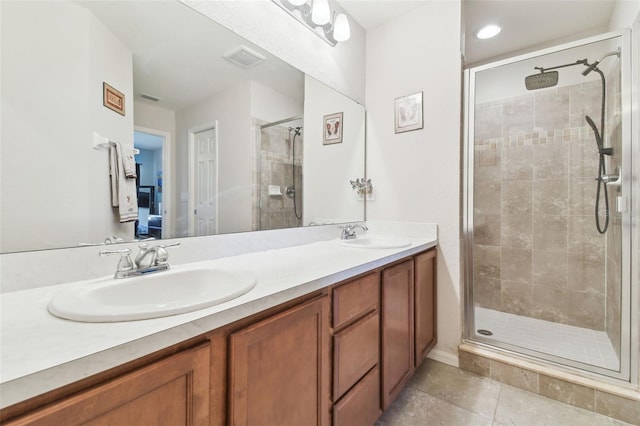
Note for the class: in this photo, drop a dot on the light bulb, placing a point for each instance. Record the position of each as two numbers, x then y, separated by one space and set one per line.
320 13
341 29
488 32
297 2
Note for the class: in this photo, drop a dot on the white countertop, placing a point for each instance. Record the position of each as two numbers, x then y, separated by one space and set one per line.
40 352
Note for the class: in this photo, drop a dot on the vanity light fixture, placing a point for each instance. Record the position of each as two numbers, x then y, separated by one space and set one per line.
488 31
330 25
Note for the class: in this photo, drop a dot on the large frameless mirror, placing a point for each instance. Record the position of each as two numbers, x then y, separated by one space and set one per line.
209 112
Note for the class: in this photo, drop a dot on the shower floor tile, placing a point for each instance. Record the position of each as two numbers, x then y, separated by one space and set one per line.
575 343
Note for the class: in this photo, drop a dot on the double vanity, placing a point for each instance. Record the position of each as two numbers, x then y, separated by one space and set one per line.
327 332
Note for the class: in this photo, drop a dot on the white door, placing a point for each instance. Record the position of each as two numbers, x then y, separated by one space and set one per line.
205 180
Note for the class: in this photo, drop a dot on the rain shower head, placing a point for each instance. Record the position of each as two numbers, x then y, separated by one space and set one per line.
542 80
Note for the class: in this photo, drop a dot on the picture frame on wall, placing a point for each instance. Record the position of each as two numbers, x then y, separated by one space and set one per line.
408 113
112 98
332 129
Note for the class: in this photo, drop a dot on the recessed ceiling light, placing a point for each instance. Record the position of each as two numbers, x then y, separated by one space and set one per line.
488 32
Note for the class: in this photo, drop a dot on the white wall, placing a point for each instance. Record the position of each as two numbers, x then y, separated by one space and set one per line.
79 53
232 110
327 169
624 13
416 174
265 24
269 105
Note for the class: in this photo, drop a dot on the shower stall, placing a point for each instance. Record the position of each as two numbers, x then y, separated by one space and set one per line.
279 191
547 200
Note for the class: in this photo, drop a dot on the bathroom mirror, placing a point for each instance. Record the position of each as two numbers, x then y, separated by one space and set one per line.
178 92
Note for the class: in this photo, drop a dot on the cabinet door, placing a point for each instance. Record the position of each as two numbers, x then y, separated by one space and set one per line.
279 369
397 350
425 304
173 391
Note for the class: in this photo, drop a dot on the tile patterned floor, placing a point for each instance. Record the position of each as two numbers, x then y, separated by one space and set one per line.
575 343
439 394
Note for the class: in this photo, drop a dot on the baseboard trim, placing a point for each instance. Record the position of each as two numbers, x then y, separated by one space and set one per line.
443 356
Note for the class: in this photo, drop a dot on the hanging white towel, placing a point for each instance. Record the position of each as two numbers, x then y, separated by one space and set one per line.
128 161
123 190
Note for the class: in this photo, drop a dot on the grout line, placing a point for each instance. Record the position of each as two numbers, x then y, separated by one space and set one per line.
495 410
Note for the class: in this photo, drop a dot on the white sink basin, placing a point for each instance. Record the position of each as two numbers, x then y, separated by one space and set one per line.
375 242
160 294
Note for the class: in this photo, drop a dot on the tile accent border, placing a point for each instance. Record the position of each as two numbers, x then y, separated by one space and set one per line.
603 398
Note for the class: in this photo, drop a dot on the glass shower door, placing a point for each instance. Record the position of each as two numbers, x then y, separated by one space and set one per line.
547 231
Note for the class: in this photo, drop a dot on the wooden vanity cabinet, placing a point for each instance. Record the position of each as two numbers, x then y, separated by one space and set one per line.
279 369
340 355
356 351
397 329
425 305
408 320
174 391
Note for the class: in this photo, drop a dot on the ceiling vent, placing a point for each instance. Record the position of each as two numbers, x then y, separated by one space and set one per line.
244 57
149 97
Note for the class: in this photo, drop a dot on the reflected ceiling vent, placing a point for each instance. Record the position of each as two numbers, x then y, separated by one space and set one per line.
149 97
244 57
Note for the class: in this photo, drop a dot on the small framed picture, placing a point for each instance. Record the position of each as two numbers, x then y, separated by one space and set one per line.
332 129
408 113
112 99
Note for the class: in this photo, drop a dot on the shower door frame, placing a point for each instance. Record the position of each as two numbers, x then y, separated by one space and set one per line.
629 292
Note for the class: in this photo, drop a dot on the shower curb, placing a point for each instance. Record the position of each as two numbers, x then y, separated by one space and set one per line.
610 399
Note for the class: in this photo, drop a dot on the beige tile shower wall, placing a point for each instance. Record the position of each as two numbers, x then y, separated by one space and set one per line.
536 251
275 154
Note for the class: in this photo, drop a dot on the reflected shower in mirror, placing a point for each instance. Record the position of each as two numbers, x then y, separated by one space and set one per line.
186 82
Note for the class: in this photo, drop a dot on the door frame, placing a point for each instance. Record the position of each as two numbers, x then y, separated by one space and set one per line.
191 156
167 179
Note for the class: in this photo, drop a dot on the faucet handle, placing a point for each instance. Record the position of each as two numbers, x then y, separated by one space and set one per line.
162 255
125 263
348 231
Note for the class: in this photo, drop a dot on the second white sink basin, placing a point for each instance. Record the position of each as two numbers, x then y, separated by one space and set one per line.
160 294
375 242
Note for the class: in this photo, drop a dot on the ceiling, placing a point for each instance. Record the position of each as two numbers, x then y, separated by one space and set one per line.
526 24
165 53
178 53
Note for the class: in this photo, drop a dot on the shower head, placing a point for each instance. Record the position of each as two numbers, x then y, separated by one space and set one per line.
296 129
594 65
540 81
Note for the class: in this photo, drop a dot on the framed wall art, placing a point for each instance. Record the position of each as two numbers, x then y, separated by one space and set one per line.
408 113
332 129
112 98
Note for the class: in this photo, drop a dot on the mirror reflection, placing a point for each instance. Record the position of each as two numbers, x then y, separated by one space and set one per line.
228 137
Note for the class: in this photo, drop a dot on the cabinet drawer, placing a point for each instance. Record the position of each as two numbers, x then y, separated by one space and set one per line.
355 351
361 406
355 298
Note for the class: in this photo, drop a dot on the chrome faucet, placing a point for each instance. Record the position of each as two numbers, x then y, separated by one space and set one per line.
349 230
148 260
